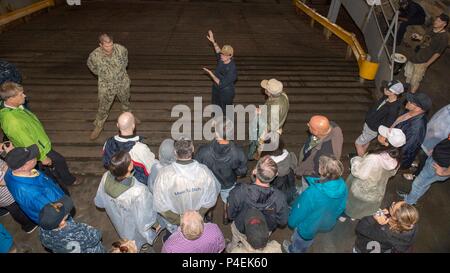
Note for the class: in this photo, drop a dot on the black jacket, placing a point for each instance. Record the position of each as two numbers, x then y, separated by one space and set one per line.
270 201
226 161
386 115
373 237
414 129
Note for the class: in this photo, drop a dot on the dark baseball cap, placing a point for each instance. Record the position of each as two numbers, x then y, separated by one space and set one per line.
420 99
444 17
256 229
17 157
50 217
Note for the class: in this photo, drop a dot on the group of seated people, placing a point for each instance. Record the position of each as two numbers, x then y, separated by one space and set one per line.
177 192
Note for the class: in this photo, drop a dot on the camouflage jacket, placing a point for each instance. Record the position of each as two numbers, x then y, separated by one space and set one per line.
109 68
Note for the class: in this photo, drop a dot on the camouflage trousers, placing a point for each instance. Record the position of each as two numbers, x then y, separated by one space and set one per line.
106 95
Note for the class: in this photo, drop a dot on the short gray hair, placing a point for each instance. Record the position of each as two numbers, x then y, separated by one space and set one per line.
184 148
9 90
104 37
330 167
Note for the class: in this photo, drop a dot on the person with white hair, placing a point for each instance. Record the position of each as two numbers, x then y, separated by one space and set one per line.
195 236
141 155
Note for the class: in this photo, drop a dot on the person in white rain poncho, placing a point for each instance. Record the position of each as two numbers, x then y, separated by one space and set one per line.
128 203
184 185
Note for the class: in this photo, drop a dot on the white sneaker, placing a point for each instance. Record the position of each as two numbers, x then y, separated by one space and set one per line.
342 219
33 229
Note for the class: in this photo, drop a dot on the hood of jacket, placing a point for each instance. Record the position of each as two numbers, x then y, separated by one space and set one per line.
283 162
115 188
260 197
334 189
220 150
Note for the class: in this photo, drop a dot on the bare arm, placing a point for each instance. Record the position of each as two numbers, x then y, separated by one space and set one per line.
211 74
210 37
433 59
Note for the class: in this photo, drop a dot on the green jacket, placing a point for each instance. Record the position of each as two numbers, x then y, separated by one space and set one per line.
23 129
282 102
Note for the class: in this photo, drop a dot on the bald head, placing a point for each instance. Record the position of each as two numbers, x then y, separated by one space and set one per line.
319 126
125 123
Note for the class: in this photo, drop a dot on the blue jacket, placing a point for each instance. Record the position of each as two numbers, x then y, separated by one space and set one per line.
6 241
414 129
318 207
33 193
140 153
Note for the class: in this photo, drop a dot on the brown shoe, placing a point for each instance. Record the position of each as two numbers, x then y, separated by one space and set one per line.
95 133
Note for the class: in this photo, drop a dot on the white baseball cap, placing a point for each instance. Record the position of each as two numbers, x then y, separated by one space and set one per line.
395 87
395 136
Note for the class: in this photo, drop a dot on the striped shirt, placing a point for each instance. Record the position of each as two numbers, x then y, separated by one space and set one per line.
211 241
6 198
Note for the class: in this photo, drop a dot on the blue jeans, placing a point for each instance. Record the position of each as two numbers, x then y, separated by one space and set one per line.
423 182
299 245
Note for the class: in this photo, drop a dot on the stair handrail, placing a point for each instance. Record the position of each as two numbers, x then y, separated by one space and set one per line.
367 69
25 11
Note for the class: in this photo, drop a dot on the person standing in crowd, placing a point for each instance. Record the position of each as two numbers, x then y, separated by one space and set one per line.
269 126
194 236
143 159
225 159
384 112
184 185
8 203
166 156
256 236
258 195
413 124
128 203
224 76
436 168
410 14
31 189
324 138
432 46
318 207
390 230
368 180
286 164
23 129
438 128
61 234
109 63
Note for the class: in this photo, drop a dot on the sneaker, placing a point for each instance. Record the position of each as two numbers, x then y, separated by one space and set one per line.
208 218
286 245
94 135
31 230
77 182
402 194
342 219
409 176
5 213
225 221
147 248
